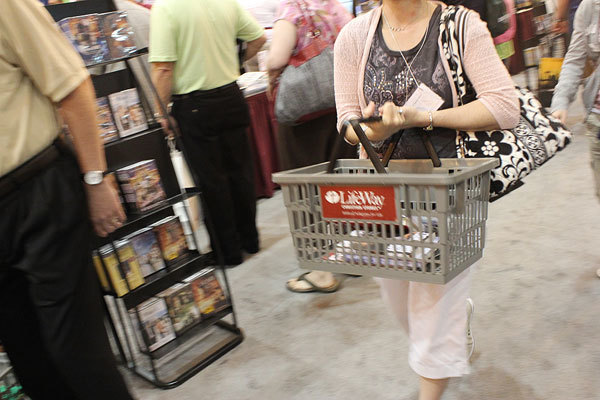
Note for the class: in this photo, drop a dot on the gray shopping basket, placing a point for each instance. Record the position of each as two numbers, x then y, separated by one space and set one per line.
410 221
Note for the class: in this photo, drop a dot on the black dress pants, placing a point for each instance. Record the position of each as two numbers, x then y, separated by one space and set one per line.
51 317
213 126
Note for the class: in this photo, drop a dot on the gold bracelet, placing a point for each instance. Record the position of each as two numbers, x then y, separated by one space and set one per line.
430 126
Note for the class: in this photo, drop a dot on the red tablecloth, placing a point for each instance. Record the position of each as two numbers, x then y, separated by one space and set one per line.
263 140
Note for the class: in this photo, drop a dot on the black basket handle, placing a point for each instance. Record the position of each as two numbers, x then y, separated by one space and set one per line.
373 156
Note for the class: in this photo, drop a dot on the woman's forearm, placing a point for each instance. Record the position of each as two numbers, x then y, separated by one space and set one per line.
474 116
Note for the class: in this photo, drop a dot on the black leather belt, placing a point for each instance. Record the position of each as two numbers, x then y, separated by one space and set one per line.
203 93
33 167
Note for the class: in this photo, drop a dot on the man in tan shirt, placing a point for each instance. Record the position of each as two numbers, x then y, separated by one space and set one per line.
52 326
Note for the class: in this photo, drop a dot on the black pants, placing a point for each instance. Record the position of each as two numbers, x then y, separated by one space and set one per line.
51 317
214 126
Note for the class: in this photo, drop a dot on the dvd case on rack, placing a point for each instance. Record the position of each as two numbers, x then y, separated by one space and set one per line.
128 112
181 305
171 238
156 327
208 294
147 250
141 186
119 34
112 267
85 33
106 125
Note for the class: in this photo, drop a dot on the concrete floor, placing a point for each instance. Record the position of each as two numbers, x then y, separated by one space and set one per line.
536 324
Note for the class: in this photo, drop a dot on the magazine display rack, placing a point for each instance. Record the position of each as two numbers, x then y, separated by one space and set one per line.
164 357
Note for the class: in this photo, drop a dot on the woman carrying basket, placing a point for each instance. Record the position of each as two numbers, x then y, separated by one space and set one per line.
387 62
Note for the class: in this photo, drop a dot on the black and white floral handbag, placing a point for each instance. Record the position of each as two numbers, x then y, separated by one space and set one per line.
536 138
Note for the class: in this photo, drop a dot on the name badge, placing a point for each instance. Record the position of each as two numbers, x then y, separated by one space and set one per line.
424 99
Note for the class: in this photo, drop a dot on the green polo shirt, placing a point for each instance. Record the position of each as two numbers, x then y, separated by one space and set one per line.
200 37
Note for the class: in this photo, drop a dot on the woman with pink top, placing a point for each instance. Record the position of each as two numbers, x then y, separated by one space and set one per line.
384 59
310 142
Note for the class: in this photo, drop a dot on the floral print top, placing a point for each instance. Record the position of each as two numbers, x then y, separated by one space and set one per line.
329 16
387 78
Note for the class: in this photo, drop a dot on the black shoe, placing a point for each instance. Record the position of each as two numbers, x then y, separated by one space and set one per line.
231 261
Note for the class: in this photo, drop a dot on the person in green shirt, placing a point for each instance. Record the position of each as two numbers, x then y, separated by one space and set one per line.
194 59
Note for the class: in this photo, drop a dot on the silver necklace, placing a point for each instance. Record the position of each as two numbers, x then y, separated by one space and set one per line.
408 65
403 28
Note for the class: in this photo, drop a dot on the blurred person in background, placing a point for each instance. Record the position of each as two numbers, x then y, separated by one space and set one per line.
564 16
194 59
504 41
50 304
310 142
381 58
265 12
584 48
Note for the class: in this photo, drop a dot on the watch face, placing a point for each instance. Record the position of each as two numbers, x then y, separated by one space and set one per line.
93 177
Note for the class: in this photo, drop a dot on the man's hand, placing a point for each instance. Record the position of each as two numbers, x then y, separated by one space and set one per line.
560 26
561 115
106 212
166 127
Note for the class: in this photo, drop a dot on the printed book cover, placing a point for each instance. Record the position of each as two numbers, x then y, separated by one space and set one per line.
182 308
85 34
147 250
112 267
141 186
128 112
129 264
171 238
118 33
106 125
208 293
157 329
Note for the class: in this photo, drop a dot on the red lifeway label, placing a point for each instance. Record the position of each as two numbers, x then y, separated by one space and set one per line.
359 202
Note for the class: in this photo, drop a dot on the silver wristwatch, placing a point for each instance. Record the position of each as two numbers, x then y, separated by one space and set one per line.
93 177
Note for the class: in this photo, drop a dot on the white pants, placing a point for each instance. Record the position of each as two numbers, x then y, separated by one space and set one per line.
435 318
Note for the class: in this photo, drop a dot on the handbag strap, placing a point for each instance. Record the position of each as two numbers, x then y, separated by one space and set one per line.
452 38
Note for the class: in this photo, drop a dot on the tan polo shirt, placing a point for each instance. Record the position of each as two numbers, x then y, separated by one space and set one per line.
38 68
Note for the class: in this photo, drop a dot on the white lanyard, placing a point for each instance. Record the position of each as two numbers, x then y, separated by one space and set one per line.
409 66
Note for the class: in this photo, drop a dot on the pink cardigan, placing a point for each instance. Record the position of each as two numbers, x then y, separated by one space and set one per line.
492 83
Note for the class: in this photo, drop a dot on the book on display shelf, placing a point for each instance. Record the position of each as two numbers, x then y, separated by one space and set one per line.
208 293
171 238
181 305
118 33
141 186
85 34
106 125
129 264
128 112
147 251
112 267
154 322
100 270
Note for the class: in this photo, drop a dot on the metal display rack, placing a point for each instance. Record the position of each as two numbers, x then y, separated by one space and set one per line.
196 348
